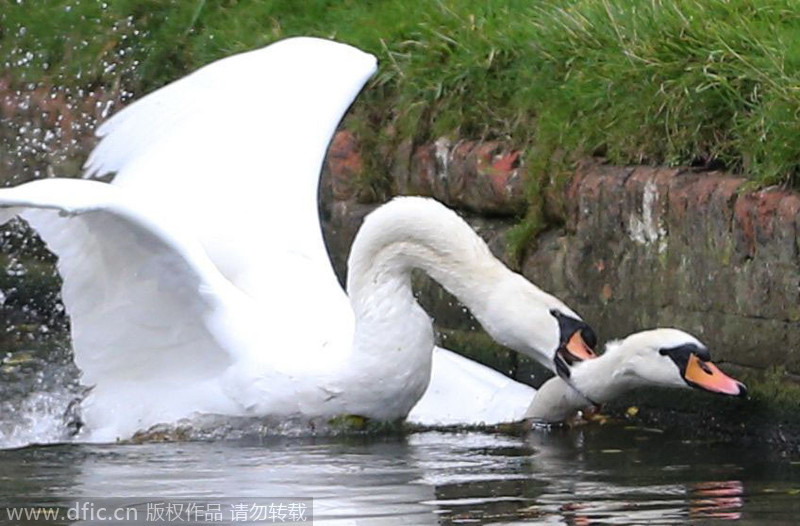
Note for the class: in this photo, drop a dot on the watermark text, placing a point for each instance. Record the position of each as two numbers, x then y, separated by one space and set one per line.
154 511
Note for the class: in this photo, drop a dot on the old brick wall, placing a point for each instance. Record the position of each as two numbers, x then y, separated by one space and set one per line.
642 247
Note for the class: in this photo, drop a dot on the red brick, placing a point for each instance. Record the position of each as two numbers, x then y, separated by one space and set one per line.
345 164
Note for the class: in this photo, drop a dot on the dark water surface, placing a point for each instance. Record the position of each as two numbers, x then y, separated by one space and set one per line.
594 474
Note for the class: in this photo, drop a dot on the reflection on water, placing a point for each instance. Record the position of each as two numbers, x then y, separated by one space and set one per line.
717 500
611 475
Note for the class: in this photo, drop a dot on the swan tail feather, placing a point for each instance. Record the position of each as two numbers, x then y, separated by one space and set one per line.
464 392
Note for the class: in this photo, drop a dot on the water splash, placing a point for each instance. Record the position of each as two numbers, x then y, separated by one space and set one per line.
39 388
38 379
50 106
39 418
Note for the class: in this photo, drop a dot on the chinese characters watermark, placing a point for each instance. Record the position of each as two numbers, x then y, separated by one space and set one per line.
166 511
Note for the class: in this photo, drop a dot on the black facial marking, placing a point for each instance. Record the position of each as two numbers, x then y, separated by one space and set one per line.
680 355
567 326
589 336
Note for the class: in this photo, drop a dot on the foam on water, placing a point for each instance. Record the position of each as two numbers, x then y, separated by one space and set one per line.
39 418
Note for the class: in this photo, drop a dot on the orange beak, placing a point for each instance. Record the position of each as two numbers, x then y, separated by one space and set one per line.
707 376
576 349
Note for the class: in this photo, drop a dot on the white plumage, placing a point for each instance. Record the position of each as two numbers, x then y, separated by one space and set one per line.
199 283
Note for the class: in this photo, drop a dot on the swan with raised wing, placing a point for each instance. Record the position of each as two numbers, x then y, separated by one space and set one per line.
198 282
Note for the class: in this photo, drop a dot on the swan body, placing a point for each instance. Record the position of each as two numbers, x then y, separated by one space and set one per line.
189 294
161 334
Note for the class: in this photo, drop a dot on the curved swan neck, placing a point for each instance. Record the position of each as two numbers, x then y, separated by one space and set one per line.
410 233
393 335
419 233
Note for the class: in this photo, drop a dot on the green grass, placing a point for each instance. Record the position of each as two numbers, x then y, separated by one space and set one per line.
678 82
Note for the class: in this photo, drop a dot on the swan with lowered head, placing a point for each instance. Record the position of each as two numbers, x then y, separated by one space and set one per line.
658 357
198 282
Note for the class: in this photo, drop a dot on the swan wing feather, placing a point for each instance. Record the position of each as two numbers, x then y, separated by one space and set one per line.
148 308
236 148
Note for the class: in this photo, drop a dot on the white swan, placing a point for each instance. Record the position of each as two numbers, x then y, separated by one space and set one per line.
165 326
654 358
199 282
657 358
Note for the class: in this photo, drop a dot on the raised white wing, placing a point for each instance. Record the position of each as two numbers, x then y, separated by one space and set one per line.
199 280
235 149
464 392
155 326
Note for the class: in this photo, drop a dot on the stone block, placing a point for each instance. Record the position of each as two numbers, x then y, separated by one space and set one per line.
642 247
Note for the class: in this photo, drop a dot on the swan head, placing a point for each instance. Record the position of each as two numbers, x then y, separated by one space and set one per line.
672 358
659 357
577 341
